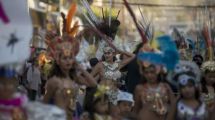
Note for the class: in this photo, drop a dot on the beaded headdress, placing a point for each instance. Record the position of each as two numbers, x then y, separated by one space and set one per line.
183 72
208 66
67 43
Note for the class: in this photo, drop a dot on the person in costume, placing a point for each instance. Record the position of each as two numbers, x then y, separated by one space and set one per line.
189 105
152 97
125 103
98 104
109 73
208 84
62 88
15 105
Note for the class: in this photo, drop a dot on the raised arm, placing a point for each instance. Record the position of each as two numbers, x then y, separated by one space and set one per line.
97 71
128 59
83 77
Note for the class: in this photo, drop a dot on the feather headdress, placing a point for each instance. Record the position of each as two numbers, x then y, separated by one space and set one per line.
66 43
107 25
208 66
182 68
141 29
167 55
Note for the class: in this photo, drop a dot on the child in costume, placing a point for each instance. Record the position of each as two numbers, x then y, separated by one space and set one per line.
208 84
189 105
98 104
125 104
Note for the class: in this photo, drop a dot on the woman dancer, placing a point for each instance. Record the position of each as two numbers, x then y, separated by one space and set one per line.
62 88
152 97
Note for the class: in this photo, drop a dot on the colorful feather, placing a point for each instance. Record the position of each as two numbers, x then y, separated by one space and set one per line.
208 42
168 57
73 31
69 17
64 22
142 34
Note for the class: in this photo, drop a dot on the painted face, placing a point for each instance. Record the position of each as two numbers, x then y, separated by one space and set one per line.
188 91
210 77
66 61
124 106
150 74
7 88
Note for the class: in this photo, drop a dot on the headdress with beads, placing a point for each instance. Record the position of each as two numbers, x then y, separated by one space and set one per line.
67 43
208 66
183 72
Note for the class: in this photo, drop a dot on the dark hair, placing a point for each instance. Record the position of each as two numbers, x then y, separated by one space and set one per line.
197 92
114 58
93 62
143 78
90 101
204 84
138 47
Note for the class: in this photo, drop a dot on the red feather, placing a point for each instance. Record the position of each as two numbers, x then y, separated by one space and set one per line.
142 34
70 14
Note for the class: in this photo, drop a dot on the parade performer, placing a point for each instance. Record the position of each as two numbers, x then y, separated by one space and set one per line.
189 105
208 84
62 88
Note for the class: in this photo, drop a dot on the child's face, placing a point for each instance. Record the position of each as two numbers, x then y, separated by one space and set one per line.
188 91
102 107
124 106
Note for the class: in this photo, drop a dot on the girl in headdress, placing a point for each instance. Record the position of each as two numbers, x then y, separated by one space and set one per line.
208 84
189 105
98 104
152 97
62 88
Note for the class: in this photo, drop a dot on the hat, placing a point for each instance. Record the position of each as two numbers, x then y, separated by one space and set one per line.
125 96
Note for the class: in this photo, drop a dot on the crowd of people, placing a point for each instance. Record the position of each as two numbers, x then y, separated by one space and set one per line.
154 82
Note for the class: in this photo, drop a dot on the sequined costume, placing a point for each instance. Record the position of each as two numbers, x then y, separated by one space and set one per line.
111 76
111 71
67 91
157 98
184 112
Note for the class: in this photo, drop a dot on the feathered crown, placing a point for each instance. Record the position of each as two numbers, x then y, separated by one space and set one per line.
180 69
66 43
208 66
108 26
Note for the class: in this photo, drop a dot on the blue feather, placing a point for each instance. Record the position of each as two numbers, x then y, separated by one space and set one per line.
169 55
